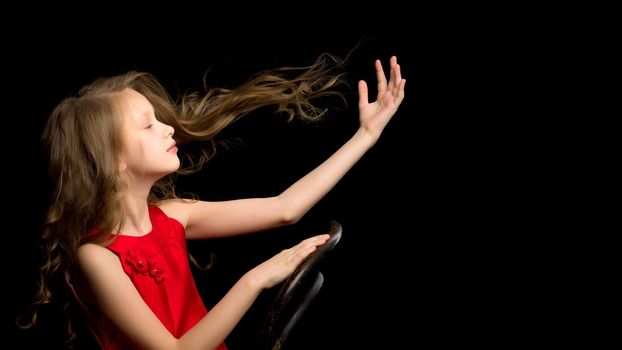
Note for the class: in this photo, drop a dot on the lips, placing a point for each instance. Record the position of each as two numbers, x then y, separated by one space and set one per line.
173 148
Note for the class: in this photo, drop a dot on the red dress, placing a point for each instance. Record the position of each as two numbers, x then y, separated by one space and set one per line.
157 264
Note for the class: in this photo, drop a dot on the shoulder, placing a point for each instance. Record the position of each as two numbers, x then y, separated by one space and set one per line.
90 251
178 209
92 256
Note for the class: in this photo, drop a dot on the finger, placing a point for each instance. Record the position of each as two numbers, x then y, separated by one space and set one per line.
311 243
398 73
396 76
382 80
315 240
300 253
400 93
322 238
363 98
393 82
397 79
303 253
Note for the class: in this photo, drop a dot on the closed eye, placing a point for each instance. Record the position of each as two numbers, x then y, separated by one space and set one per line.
149 126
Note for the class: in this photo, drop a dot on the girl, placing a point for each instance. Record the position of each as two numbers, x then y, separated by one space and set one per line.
115 229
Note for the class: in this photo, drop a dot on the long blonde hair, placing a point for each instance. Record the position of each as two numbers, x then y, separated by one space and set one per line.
82 136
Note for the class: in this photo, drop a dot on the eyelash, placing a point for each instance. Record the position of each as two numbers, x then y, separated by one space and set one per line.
149 126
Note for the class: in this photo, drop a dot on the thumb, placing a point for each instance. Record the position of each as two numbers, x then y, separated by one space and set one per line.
363 93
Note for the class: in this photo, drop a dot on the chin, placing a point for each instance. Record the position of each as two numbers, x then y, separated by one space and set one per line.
170 170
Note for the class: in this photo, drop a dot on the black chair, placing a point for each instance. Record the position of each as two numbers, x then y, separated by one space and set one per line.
295 295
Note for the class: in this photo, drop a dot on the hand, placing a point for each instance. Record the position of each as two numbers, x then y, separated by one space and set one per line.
375 116
280 266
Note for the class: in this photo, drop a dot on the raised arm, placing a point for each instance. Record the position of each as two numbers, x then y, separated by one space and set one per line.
215 219
305 193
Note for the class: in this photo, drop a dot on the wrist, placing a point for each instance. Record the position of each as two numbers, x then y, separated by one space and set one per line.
365 137
252 281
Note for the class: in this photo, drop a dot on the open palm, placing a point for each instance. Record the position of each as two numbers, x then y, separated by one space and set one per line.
374 116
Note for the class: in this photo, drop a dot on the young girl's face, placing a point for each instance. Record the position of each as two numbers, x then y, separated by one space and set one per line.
149 149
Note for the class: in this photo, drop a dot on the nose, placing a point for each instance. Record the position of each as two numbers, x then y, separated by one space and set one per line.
170 130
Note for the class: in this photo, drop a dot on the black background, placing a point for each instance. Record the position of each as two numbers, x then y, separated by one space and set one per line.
428 214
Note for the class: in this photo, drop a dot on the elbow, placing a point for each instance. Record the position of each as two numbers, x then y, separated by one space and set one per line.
290 217
290 211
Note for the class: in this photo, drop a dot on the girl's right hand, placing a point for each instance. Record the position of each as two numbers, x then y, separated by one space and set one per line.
280 266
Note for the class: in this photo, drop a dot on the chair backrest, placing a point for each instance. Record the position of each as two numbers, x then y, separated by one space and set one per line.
295 295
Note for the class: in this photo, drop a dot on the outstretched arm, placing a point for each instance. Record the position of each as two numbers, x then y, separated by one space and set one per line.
305 193
250 215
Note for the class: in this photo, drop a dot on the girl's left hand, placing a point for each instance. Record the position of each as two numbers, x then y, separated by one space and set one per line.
375 116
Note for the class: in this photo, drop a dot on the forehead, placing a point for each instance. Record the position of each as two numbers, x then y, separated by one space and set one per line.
134 106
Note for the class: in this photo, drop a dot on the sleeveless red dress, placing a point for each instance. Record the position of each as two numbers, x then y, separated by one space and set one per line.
157 264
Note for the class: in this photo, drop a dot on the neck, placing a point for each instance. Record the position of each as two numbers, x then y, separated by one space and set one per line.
136 217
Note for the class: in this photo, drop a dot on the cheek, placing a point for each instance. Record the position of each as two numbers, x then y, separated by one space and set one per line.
133 150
